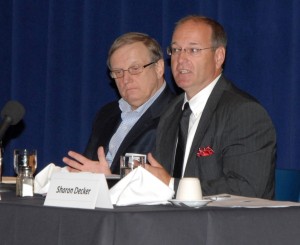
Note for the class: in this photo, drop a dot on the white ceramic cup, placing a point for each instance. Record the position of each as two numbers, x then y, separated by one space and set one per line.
189 189
131 161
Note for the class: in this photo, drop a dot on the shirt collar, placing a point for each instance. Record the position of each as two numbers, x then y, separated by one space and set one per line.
197 103
126 107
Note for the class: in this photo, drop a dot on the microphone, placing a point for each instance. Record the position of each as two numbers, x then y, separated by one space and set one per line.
11 114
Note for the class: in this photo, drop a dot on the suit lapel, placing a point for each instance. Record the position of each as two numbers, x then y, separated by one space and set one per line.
205 121
139 127
113 121
167 141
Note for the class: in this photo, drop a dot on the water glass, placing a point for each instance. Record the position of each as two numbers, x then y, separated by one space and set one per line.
25 158
131 161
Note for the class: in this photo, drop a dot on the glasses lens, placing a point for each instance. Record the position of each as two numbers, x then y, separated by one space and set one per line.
169 50
117 73
135 70
112 75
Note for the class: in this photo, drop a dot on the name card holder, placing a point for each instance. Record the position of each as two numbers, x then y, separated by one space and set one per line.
78 190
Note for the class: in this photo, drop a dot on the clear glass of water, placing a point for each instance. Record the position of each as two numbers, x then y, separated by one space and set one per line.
131 161
25 158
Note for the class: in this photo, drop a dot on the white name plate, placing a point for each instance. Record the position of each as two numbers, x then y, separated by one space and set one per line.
78 190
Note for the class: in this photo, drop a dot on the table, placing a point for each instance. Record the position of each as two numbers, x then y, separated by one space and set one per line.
26 221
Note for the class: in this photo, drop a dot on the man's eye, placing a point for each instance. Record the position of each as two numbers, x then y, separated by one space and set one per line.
118 72
176 50
135 68
194 50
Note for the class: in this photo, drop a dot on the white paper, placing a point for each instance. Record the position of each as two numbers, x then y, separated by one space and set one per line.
78 190
233 201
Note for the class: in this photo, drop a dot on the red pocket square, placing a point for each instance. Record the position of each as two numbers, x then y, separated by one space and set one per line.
205 151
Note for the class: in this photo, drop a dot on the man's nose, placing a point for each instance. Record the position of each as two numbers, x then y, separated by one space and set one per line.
182 56
126 77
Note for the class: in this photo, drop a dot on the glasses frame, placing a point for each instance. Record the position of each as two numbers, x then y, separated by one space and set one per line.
187 51
133 70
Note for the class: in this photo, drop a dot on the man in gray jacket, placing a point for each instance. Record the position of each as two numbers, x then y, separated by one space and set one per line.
231 141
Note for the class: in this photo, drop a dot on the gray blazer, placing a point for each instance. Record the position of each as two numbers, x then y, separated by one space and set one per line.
241 134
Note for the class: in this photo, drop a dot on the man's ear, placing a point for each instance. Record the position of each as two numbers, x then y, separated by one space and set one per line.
160 68
220 54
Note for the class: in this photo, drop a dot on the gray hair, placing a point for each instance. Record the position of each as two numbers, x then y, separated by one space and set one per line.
134 37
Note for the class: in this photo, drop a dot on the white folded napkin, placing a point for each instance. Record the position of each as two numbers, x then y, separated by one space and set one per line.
42 179
140 187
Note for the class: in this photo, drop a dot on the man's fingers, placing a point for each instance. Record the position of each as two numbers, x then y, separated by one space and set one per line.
153 161
101 154
72 169
78 157
72 163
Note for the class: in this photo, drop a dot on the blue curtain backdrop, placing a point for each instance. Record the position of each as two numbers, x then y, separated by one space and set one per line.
53 60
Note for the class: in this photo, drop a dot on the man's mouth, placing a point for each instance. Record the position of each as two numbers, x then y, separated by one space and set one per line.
184 71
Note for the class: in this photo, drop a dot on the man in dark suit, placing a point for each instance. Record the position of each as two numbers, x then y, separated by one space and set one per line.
231 142
129 125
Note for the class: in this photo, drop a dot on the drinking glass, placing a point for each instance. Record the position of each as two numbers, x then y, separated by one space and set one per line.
131 161
25 157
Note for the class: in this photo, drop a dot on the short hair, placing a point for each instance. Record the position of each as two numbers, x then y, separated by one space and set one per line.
218 37
150 43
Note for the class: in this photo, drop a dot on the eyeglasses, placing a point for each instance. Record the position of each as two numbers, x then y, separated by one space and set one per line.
191 51
133 70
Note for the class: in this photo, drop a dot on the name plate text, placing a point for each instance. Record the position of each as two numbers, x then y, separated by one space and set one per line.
78 190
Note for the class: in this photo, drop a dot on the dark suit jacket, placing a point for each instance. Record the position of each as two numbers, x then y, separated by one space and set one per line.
241 135
140 139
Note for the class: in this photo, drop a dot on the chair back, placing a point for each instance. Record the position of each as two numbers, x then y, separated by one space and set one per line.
287 185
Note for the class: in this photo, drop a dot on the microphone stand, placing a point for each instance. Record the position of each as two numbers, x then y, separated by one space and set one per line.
4 187
1 160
